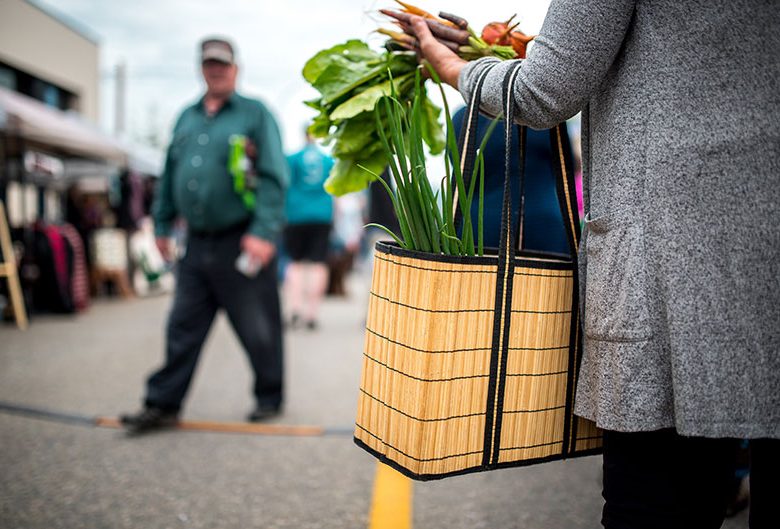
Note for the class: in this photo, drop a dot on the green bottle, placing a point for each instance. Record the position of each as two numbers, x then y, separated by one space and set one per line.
241 168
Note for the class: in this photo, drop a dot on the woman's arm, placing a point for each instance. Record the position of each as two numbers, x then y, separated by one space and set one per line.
568 62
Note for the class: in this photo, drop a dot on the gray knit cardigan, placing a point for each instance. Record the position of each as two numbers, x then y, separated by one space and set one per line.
680 259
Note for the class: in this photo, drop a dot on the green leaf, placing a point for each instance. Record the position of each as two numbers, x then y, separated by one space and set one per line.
387 230
367 99
341 77
346 177
320 126
316 104
355 135
350 51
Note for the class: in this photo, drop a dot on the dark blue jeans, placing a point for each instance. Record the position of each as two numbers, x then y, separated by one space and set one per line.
662 480
207 280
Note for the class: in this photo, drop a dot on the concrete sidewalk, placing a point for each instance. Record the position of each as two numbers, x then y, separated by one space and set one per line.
67 475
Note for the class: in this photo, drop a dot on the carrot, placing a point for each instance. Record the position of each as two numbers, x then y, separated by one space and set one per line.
439 30
414 10
403 39
461 22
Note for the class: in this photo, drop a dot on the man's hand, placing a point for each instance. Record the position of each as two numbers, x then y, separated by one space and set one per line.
442 59
165 245
259 249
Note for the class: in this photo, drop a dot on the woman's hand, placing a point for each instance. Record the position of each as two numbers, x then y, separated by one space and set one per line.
442 59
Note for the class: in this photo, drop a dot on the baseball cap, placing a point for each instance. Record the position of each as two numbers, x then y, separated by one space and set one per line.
216 49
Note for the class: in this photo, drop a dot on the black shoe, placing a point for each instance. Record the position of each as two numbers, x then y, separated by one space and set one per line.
312 325
149 419
263 412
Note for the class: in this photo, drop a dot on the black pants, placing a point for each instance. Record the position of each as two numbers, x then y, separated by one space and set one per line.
208 280
661 480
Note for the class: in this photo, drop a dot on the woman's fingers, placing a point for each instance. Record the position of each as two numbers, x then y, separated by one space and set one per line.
444 61
440 31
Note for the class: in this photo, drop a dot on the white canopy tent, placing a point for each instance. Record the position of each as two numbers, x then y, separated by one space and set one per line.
32 120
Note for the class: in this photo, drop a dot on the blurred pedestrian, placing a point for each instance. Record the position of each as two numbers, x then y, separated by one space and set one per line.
680 256
348 221
225 173
309 220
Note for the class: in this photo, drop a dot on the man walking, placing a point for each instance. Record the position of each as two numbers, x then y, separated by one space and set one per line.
225 174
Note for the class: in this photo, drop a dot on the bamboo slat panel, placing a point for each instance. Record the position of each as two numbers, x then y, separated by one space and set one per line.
427 364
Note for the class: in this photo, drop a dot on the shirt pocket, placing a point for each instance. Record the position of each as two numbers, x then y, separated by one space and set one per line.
178 144
616 285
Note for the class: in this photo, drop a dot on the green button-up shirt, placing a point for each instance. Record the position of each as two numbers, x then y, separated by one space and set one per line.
196 184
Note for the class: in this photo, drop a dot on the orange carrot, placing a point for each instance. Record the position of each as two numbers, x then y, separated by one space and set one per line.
414 10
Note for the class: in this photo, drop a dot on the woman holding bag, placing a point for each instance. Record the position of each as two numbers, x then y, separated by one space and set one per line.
680 256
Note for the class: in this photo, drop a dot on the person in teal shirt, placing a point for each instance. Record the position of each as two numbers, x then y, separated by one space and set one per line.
309 219
233 203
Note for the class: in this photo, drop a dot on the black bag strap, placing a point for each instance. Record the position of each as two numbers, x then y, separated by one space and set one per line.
467 140
566 192
510 243
562 165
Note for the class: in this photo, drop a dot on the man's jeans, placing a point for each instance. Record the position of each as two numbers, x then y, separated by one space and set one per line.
208 280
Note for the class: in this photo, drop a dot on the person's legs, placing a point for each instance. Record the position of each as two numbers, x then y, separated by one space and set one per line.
252 306
294 289
316 270
661 479
317 275
295 241
764 483
189 321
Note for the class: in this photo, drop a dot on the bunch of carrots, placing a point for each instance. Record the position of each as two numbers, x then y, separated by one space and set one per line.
497 39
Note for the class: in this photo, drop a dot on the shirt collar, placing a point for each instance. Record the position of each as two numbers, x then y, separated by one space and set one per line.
230 102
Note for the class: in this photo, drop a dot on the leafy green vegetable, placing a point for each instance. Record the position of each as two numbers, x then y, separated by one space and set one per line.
351 80
354 174
366 100
427 219
352 50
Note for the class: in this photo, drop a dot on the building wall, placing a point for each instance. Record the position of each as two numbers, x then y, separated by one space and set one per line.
37 43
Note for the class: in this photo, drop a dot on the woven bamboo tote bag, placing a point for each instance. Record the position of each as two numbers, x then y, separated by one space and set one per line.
470 363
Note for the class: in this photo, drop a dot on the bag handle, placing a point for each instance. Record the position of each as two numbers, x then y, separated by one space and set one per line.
565 186
562 163
510 242
567 200
467 140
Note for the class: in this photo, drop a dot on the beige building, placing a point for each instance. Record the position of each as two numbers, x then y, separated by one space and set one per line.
48 58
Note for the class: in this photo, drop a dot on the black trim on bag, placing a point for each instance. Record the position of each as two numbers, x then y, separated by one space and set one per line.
383 458
419 460
412 417
468 377
540 410
451 351
440 311
557 261
464 311
507 252
566 188
447 351
418 378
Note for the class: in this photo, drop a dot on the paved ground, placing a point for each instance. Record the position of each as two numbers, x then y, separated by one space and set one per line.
61 475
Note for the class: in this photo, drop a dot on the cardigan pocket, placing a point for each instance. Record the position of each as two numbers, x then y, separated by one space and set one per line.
616 287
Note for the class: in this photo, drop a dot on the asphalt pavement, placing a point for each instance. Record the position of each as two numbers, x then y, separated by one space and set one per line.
61 471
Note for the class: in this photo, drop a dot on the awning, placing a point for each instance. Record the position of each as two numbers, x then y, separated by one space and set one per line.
35 121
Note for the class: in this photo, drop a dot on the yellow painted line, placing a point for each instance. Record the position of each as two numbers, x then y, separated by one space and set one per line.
391 504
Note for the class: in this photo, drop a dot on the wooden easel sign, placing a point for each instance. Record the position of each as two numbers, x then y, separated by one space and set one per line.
9 271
